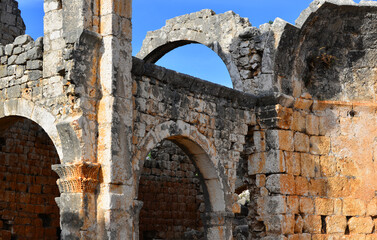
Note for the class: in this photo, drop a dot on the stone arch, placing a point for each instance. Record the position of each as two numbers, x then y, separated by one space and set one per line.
217 32
61 134
204 155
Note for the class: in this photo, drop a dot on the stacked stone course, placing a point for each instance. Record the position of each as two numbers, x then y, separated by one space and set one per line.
21 69
309 185
308 160
11 23
27 183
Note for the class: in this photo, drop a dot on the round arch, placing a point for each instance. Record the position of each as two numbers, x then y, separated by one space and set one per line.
61 134
203 154
217 32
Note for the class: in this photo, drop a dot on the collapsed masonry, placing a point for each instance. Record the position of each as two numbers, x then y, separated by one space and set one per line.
142 152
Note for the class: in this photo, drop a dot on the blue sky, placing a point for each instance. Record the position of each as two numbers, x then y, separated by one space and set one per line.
193 59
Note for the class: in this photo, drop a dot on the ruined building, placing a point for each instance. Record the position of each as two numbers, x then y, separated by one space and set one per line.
97 144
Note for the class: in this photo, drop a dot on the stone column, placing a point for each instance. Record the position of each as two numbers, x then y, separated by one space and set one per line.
116 205
77 202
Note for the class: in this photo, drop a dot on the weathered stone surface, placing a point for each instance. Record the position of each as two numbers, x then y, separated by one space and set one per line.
303 145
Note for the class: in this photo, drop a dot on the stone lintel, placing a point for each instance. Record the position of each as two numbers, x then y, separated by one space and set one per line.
77 177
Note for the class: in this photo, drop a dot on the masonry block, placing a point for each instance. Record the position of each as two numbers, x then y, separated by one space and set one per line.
281 183
299 121
308 164
324 206
354 207
301 142
336 224
293 162
319 145
317 187
302 185
280 139
312 124
360 225
312 224
306 205
293 204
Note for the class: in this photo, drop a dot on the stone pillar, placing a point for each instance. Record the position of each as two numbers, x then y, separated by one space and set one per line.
116 205
77 203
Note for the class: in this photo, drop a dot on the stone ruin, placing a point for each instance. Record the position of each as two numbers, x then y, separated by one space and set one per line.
97 144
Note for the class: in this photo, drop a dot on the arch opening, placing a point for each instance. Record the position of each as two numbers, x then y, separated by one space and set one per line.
192 58
213 207
172 194
27 184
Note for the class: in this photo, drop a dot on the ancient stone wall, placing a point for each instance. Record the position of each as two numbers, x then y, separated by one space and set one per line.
11 23
305 147
217 112
202 111
170 189
27 183
21 70
313 171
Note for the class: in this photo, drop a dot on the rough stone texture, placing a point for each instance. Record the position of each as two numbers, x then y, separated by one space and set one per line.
303 144
171 193
11 23
27 183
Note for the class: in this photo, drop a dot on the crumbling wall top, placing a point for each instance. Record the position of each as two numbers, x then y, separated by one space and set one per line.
11 23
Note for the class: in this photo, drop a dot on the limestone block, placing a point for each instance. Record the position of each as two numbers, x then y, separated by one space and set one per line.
293 162
336 224
301 142
281 183
327 165
306 205
261 180
302 186
312 124
280 224
324 206
280 139
8 49
284 117
317 187
303 104
299 121
354 207
312 224
266 162
308 164
268 205
22 40
360 225
347 167
293 204
319 145
259 141
288 224
372 207
337 186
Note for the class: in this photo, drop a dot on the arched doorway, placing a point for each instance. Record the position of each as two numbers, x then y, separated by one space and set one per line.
172 194
215 212
27 183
